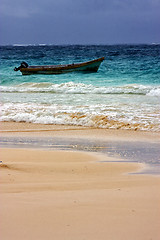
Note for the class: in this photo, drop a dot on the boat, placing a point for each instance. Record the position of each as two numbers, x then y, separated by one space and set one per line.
90 66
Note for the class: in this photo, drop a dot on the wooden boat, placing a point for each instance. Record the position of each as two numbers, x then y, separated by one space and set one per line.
90 66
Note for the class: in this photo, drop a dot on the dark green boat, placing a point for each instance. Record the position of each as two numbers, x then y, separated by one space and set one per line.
90 66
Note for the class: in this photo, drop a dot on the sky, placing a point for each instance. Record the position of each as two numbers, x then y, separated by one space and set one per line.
79 21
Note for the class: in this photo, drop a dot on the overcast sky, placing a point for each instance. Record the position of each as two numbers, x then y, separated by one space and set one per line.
79 21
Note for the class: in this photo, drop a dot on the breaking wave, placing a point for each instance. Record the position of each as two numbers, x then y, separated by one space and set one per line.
80 88
98 116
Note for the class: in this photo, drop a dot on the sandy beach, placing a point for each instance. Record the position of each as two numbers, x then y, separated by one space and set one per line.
66 195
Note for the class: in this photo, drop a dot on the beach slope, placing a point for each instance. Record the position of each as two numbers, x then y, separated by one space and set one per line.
75 195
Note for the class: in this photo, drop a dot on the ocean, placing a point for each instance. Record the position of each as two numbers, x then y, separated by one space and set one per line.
123 94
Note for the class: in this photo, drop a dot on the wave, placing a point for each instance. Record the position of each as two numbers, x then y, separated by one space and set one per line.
28 45
154 92
80 88
97 116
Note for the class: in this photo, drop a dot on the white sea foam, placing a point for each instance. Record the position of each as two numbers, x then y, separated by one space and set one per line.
127 107
81 88
92 116
154 92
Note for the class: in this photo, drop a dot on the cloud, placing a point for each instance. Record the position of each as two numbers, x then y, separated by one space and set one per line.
23 8
72 21
17 8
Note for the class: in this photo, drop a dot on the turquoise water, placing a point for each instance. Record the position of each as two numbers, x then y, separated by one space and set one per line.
123 94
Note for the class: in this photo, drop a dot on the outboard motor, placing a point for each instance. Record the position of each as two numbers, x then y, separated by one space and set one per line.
23 65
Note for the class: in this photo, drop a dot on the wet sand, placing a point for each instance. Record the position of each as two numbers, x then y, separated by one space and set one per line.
47 194
43 130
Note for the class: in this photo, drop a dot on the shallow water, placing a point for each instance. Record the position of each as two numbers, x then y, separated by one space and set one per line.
140 152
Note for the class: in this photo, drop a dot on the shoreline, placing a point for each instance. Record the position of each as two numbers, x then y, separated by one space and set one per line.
42 130
58 194
128 145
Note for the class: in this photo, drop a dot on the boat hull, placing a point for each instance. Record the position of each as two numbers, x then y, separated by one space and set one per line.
91 66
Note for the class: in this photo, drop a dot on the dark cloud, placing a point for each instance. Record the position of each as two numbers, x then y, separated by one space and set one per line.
74 21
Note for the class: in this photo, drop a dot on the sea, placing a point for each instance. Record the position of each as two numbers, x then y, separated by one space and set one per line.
123 94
